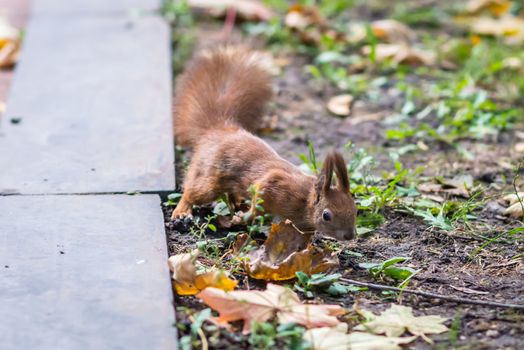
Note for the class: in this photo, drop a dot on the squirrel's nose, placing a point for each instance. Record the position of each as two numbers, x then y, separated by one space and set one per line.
347 235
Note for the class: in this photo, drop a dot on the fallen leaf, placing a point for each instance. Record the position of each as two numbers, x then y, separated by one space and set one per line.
259 306
309 24
188 282
286 251
9 44
509 27
468 290
336 338
307 21
513 198
398 319
388 30
459 185
372 117
250 10
392 31
514 210
340 105
401 54
495 7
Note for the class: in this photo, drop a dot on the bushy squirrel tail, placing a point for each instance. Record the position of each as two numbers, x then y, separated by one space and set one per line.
224 87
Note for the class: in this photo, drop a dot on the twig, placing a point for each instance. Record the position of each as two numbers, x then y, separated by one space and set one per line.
433 295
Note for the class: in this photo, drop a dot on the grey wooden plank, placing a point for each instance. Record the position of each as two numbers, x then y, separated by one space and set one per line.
93 96
93 7
84 272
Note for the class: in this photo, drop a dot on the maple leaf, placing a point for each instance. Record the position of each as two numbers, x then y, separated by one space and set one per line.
188 282
336 338
279 259
259 306
399 319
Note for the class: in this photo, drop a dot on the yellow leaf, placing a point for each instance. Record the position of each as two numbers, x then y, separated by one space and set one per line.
495 7
9 44
509 27
286 251
188 282
259 306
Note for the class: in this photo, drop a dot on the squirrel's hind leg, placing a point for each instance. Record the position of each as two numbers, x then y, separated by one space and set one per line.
196 195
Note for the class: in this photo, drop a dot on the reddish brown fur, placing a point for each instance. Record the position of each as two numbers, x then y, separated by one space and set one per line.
224 87
222 94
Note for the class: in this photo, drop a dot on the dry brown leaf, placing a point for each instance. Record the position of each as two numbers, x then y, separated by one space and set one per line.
259 306
250 10
340 105
286 251
337 338
392 31
459 185
429 187
301 17
401 54
188 282
495 7
9 44
388 30
514 210
309 24
372 117
513 198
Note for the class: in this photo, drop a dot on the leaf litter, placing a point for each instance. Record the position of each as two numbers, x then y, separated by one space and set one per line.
259 306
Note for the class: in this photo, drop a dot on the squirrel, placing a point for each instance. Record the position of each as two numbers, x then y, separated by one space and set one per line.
219 101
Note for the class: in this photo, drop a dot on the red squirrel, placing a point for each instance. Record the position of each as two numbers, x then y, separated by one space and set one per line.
219 101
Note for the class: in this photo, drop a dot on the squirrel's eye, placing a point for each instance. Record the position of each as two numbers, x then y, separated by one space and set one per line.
326 215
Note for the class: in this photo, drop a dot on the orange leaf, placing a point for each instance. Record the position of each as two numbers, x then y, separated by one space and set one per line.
286 251
188 282
259 306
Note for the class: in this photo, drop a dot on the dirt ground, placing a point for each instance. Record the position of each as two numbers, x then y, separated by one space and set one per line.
444 257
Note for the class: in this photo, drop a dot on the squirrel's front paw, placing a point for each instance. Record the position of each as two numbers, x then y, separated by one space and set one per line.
181 212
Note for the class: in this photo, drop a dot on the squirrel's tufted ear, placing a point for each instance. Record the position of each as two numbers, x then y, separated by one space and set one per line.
334 163
327 172
341 172
319 187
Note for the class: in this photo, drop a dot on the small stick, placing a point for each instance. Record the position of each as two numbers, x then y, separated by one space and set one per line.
229 22
435 296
